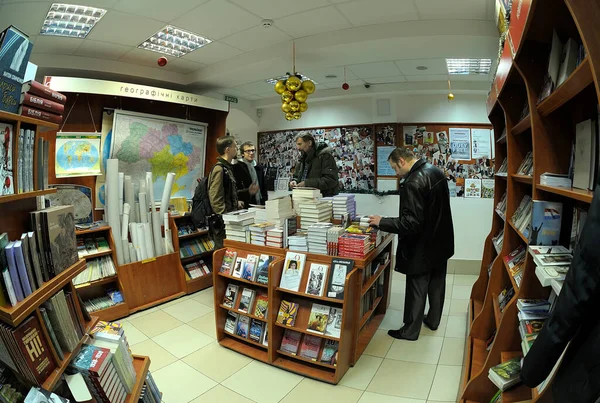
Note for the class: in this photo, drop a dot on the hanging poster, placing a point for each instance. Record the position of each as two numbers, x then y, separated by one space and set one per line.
383 166
481 143
386 135
460 143
80 197
409 133
105 150
487 188
77 154
473 188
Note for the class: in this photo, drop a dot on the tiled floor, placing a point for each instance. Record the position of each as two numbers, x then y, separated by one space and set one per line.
190 366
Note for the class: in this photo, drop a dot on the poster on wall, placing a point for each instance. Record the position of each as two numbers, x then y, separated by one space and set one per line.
80 197
487 188
473 188
386 135
77 154
383 166
481 143
106 144
460 143
409 133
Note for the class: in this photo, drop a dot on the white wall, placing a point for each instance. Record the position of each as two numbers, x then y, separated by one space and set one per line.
241 126
472 217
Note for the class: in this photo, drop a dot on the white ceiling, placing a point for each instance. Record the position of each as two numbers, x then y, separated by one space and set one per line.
381 42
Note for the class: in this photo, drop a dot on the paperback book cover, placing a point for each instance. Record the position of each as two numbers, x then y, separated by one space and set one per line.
334 322
545 223
228 262
317 277
311 345
262 269
249 267
290 341
256 329
317 322
230 294
287 313
242 326
337 280
246 300
6 159
239 267
292 271
262 306
330 352
231 322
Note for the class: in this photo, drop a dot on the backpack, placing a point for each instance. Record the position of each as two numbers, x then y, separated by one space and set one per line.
201 208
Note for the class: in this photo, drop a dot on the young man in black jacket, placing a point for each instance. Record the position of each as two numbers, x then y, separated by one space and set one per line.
250 177
575 319
425 240
317 167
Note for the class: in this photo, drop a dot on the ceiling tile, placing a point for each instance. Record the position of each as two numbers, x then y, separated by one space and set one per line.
387 80
471 77
159 9
319 75
367 12
372 70
432 77
102 50
124 28
434 66
455 9
313 22
256 38
28 17
257 88
183 66
279 8
217 19
253 97
212 53
338 85
94 3
56 45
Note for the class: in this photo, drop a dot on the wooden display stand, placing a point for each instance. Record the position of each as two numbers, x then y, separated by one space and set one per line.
356 331
548 131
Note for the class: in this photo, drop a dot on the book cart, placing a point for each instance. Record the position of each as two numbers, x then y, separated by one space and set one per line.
14 210
548 131
356 329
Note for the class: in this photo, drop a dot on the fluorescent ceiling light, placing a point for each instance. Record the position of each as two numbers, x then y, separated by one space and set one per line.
174 41
274 80
71 20
469 66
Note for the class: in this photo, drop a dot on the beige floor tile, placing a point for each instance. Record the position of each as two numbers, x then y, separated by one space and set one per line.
316 392
216 362
397 301
457 327
461 291
159 357
155 323
280 382
393 320
459 307
133 334
453 352
181 383
441 330
220 394
380 344
142 313
398 286
187 311
206 324
182 341
205 297
450 279
465 279
403 379
370 397
359 376
445 383
173 302
396 276
426 350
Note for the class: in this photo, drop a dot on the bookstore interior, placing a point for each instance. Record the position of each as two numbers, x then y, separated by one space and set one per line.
191 194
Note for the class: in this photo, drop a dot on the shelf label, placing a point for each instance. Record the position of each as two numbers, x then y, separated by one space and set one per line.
152 259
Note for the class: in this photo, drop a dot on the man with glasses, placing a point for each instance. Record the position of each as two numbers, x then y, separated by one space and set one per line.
250 177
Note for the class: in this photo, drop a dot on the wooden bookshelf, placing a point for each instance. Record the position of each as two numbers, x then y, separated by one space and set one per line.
193 235
241 280
105 280
548 132
141 364
114 312
97 254
313 297
251 316
25 195
304 331
15 118
91 230
370 312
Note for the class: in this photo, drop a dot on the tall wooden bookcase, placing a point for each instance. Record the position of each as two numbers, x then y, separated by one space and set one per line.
548 131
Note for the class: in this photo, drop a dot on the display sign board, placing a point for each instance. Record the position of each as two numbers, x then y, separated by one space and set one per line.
503 67
518 20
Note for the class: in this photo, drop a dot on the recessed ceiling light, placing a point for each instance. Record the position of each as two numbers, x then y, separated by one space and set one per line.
71 20
469 66
174 41
274 80
330 76
422 68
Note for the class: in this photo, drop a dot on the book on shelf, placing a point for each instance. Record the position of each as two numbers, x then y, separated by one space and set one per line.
547 274
242 326
7 138
287 313
39 114
262 269
239 267
246 300
546 218
533 304
40 395
122 360
503 170
579 219
553 259
555 180
292 271
522 216
110 299
290 341
515 257
490 340
569 60
551 78
265 336
505 296
16 50
249 269
337 279
96 269
317 321
584 171
229 260
196 269
506 374
256 330
317 279
231 322
526 167
310 347
330 352
39 89
334 322
262 306
230 295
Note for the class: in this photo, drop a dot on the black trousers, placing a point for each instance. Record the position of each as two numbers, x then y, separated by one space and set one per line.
418 289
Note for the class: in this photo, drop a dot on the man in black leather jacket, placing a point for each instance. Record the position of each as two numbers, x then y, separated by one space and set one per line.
575 319
425 240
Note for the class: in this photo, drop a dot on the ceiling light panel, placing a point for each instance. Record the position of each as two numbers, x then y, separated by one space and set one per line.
274 80
71 20
174 41
469 66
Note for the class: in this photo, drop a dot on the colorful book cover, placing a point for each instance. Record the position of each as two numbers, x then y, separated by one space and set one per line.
239 267
317 322
545 223
230 294
228 262
290 341
311 345
249 267
256 329
15 49
6 159
287 313
242 326
34 348
262 306
246 300
330 352
262 270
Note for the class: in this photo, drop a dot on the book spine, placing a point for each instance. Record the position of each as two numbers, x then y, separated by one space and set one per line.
29 165
42 103
41 115
41 90
50 329
27 262
9 287
14 275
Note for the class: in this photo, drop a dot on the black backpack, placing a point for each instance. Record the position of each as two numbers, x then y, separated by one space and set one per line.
201 208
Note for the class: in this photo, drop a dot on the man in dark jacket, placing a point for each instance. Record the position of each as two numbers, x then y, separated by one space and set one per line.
575 319
317 167
425 240
250 177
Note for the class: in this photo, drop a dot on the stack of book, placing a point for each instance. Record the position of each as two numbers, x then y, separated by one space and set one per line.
532 315
260 214
112 298
317 238
355 245
333 235
314 212
195 246
279 209
556 180
501 207
507 374
258 233
196 269
503 170
305 196
96 269
237 223
498 241
90 246
344 204
521 219
150 392
40 102
186 229
298 242
275 238
37 256
515 261
526 167
552 264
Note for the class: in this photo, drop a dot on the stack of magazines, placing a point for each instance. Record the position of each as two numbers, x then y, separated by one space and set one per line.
556 180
